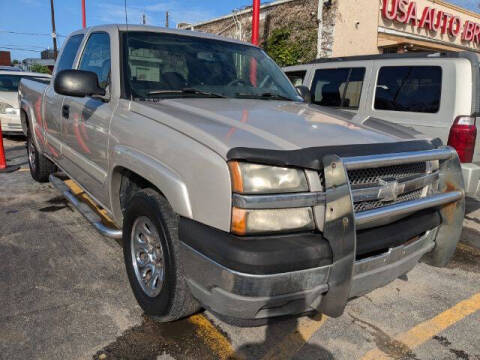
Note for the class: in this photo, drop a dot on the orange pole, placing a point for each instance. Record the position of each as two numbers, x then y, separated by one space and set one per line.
3 161
255 21
84 15
255 40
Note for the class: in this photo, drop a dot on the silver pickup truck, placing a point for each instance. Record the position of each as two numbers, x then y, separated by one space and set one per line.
229 190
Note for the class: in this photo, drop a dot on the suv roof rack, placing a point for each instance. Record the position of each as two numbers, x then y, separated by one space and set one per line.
414 55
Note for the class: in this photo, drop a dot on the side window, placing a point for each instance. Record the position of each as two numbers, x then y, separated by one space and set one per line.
409 88
338 87
96 57
65 62
296 77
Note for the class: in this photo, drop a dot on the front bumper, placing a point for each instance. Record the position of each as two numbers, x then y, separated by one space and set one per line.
471 177
351 254
253 296
11 124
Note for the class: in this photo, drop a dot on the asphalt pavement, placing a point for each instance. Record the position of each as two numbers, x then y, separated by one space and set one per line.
64 294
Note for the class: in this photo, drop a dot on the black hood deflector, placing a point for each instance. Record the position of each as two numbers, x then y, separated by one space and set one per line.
311 158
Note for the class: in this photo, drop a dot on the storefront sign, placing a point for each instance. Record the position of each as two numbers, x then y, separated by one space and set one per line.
431 19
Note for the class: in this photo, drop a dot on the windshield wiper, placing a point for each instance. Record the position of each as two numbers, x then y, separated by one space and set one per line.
265 96
186 91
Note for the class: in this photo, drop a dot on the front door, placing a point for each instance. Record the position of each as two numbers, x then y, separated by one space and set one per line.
87 122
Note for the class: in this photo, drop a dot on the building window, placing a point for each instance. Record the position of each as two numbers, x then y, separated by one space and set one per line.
409 88
340 88
296 77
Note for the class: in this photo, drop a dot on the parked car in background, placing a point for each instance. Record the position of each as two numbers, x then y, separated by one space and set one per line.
10 68
9 108
231 192
436 94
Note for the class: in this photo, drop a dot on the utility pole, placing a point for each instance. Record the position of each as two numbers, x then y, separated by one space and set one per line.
84 15
144 19
54 33
166 19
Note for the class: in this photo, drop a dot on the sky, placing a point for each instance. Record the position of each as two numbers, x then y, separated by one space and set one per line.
30 21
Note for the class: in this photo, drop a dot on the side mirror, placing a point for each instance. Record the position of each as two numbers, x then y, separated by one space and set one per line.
304 92
78 83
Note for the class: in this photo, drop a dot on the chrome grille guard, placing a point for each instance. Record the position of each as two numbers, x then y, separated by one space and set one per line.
451 191
339 223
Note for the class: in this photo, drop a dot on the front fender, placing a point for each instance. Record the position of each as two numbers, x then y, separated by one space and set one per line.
164 178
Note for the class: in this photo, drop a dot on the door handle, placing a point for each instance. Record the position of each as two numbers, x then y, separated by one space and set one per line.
66 111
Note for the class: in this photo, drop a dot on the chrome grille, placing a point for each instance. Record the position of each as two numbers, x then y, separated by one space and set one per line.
375 204
398 172
371 177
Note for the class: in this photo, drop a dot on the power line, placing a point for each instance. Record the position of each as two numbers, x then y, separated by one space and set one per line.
29 34
27 45
19 49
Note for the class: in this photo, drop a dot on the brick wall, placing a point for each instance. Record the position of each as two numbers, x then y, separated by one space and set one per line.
5 59
300 17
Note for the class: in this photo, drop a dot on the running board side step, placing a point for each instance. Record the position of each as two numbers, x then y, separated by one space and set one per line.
85 210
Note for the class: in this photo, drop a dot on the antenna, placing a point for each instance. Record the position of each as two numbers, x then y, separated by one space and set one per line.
126 13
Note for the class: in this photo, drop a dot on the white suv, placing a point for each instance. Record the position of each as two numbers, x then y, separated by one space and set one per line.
434 94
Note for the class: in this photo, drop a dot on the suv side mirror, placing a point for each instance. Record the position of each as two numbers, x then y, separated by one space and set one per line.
304 92
78 83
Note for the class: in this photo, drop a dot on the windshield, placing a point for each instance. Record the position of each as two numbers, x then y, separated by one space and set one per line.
10 82
159 65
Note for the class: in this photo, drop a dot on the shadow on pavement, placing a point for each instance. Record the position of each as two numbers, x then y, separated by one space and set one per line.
184 339
284 336
471 205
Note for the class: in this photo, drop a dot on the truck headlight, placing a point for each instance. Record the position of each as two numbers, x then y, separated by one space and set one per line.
262 179
7 109
255 179
248 222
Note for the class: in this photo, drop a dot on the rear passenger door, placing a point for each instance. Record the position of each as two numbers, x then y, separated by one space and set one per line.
413 94
87 120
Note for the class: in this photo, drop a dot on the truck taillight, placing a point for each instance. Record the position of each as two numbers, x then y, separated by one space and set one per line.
463 134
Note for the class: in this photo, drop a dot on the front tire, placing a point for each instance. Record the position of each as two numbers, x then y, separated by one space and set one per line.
40 167
151 253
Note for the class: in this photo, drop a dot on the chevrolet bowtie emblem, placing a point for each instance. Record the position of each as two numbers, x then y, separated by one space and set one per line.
389 190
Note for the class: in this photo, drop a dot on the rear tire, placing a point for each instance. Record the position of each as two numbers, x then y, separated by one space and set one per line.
40 167
151 253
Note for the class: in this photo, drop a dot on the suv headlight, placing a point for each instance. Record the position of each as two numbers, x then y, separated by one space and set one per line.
255 179
7 109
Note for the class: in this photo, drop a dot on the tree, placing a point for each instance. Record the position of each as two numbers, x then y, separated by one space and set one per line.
40 69
15 62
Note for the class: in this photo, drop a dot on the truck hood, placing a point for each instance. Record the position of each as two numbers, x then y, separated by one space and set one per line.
223 124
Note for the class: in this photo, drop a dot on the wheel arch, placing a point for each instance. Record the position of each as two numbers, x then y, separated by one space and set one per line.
134 170
29 122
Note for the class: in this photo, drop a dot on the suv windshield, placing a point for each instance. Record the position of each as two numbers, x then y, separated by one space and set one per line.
159 65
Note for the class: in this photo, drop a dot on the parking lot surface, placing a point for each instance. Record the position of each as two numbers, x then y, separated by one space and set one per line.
64 294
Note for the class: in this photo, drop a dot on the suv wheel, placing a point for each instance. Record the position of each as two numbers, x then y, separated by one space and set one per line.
151 252
40 166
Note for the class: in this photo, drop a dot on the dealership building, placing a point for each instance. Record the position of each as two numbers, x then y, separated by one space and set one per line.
335 28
